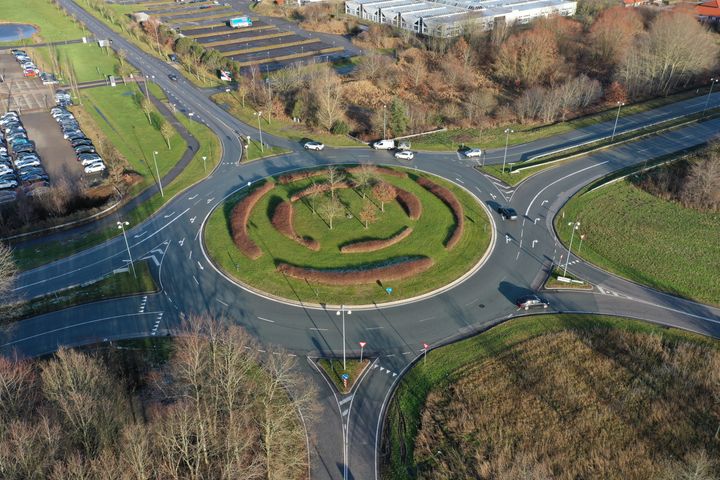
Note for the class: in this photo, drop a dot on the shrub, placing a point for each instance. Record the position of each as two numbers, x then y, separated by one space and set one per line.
410 203
282 220
301 175
317 188
398 270
373 245
340 128
451 201
239 218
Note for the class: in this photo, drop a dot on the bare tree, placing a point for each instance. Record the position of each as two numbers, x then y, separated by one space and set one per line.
7 275
167 131
367 214
384 192
330 208
363 177
335 178
326 94
147 107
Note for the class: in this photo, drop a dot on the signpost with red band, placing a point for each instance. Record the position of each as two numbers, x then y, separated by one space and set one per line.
425 347
362 346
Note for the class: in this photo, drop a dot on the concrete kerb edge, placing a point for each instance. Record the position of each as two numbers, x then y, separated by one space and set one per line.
316 306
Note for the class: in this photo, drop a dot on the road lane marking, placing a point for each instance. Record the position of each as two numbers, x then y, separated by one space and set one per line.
196 281
220 301
346 399
319 329
527 211
200 265
266 320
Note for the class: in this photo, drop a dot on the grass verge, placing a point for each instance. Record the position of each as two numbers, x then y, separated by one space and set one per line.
451 364
51 20
553 282
114 286
333 368
649 240
88 61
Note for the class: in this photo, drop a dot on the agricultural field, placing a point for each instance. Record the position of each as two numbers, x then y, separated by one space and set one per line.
430 233
648 240
559 396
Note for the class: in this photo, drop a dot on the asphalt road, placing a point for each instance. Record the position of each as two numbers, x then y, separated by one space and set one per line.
522 251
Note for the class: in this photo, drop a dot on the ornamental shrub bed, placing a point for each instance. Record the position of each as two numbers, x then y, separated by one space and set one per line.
301 175
239 219
410 203
451 201
397 270
318 188
377 170
374 245
282 220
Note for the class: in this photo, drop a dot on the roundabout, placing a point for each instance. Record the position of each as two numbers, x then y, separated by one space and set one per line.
351 234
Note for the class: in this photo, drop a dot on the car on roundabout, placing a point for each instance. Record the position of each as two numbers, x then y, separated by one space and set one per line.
531 301
313 145
404 155
472 153
507 213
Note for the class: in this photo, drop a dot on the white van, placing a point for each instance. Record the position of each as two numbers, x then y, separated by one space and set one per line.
384 145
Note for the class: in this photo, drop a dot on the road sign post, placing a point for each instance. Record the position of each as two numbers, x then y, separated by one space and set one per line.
425 347
362 346
345 377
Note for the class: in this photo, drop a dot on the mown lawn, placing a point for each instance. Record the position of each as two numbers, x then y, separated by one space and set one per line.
54 25
590 397
88 60
427 239
649 240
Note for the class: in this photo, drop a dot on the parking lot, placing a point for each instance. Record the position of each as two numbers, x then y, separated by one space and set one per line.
20 93
59 157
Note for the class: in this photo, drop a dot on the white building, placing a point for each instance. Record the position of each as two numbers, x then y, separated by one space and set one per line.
448 18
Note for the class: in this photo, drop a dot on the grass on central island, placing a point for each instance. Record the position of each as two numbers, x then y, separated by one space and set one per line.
558 396
429 233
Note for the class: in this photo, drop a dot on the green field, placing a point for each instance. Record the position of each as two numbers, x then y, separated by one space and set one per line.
429 233
648 240
52 22
430 380
89 61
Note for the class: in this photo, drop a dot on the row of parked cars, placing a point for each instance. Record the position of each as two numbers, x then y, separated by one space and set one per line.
83 146
20 165
29 68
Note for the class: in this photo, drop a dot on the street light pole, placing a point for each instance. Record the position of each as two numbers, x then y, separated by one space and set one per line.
507 138
162 194
617 117
121 226
204 164
384 121
713 81
258 114
575 226
342 312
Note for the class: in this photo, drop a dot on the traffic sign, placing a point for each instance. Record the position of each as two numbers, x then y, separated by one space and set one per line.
389 290
362 344
345 376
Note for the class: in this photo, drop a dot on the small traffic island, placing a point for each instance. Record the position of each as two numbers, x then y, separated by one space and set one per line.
342 379
559 280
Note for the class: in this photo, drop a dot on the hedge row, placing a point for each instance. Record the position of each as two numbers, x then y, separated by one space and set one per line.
317 188
239 218
378 171
409 202
373 245
301 175
385 273
282 220
451 201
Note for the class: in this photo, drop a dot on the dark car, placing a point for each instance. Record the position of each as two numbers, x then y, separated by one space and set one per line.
507 213
80 141
34 179
26 147
27 172
84 149
173 77
531 301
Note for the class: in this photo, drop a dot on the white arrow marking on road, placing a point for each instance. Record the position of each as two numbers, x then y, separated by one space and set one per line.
200 265
152 257
139 235
210 200
493 195
382 369
533 243
345 412
394 374
192 220
181 241
169 214
543 202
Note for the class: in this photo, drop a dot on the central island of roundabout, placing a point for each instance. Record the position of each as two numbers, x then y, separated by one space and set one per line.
348 234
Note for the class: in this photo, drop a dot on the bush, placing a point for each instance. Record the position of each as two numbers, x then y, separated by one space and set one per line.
374 245
301 175
410 203
398 270
282 220
239 218
451 201
340 128
378 170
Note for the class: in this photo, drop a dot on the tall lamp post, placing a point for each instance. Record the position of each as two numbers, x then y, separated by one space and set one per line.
121 226
713 81
507 138
162 194
343 310
617 117
575 226
204 164
384 120
258 115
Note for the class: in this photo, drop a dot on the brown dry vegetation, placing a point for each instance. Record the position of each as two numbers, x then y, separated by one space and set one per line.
318 188
600 403
239 218
301 175
376 170
410 203
451 201
384 273
374 245
282 220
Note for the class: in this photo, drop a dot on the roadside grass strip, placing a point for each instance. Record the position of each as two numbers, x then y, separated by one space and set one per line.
225 32
290 57
187 11
207 17
246 39
333 368
269 47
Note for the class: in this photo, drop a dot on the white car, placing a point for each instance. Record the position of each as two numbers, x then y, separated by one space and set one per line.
95 167
29 162
4 169
472 152
313 146
90 160
404 155
384 145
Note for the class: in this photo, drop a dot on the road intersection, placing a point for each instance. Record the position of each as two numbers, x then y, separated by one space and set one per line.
522 253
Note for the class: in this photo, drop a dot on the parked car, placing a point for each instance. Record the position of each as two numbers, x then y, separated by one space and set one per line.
80 141
507 213
5 169
7 196
88 160
531 301
384 145
72 134
472 152
28 162
95 167
8 181
404 155
25 147
403 145
84 149
35 179
312 145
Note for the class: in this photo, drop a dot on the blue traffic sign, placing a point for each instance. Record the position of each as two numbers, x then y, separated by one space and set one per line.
345 376
388 290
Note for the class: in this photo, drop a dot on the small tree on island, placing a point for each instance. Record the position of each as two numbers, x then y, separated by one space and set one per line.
330 208
384 192
363 178
367 214
335 178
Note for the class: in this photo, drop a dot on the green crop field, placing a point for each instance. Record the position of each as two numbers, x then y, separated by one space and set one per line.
429 233
564 396
53 24
649 240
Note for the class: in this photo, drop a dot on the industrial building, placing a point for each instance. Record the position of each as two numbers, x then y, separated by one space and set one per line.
449 18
